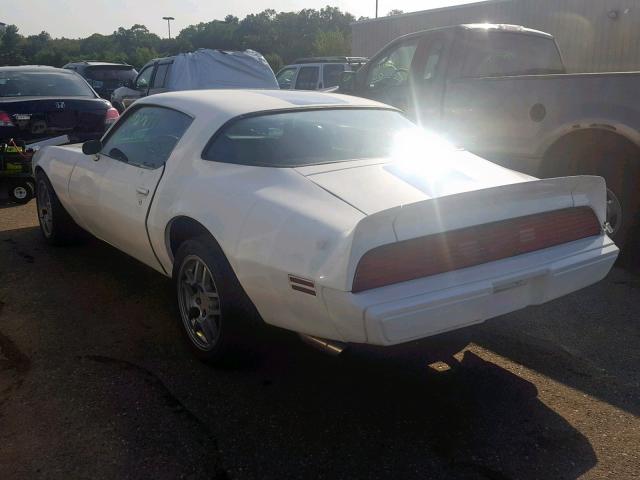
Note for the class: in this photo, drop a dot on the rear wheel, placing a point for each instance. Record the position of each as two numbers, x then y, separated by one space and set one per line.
56 225
215 313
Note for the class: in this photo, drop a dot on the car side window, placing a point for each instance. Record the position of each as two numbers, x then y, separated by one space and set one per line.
161 75
285 78
393 68
433 59
144 79
147 136
332 74
308 78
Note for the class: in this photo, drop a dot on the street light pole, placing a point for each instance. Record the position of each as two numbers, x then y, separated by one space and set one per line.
168 19
376 8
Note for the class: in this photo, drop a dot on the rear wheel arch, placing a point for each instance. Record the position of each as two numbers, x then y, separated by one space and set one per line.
578 139
183 228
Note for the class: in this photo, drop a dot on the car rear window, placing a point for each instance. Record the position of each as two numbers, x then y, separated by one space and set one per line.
42 84
110 73
307 137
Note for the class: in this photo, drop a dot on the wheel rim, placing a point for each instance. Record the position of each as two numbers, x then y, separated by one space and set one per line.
199 303
44 209
20 192
614 212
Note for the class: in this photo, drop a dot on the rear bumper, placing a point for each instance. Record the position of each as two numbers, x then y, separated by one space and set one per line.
421 308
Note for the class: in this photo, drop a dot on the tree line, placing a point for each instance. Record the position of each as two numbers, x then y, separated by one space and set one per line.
280 36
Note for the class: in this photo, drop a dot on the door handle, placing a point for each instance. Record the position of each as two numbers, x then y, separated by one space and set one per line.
142 191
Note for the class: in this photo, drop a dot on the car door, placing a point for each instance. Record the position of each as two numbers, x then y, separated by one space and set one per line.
388 77
134 155
140 86
308 77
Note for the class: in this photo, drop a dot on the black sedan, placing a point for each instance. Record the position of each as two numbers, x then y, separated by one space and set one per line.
39 102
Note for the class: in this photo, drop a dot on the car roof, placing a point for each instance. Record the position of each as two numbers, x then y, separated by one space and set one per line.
92 63
227 104
37 68
499 27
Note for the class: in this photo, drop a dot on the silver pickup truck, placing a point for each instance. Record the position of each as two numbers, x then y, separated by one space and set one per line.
502 92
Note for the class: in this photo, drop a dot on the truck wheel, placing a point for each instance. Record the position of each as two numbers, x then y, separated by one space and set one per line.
56 225
214 311
21 192
616 159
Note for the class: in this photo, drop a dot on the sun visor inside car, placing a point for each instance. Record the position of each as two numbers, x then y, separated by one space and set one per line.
206 68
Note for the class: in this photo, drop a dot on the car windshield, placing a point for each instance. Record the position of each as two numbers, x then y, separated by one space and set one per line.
42 84
308 137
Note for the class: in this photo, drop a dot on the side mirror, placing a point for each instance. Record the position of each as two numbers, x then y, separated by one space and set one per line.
347 82
92 147
128 83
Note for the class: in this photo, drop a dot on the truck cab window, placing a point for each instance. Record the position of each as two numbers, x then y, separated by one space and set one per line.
392 69
494 54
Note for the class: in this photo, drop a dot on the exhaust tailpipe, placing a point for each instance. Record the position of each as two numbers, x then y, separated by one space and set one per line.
332 347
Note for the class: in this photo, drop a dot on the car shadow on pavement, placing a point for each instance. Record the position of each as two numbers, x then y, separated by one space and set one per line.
118 393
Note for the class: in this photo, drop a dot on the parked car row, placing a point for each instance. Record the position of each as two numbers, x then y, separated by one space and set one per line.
38 103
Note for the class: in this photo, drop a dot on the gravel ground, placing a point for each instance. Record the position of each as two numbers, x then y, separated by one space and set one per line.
95 382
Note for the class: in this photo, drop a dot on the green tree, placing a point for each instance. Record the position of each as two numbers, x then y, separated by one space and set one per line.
280 36
331 43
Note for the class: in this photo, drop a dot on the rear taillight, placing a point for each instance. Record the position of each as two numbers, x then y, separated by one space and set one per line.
5 120
456 249
111 117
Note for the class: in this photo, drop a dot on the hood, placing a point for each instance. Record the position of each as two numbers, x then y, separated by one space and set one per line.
375 185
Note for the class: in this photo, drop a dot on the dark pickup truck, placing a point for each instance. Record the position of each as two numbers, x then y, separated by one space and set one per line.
502 91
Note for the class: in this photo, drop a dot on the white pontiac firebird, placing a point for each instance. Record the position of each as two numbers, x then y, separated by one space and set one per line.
327 215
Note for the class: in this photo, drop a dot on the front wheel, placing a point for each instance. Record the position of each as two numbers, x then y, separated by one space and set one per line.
213 308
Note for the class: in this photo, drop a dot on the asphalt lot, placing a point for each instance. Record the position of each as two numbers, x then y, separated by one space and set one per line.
95 382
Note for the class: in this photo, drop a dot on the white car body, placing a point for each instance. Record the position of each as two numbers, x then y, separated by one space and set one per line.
316 222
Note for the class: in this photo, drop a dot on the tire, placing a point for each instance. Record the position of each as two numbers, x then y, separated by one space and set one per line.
119 107
608 155
215 314
56 225
21 191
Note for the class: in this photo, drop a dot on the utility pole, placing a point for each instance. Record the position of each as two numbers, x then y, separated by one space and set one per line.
168 19
376 8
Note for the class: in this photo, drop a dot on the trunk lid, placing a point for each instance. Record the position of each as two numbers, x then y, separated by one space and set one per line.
372 186
36 118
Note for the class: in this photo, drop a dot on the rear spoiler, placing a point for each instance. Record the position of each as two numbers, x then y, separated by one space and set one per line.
476 207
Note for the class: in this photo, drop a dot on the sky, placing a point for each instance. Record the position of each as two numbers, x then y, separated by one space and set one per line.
80 18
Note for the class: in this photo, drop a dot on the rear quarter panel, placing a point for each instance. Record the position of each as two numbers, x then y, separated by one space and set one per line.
270 223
